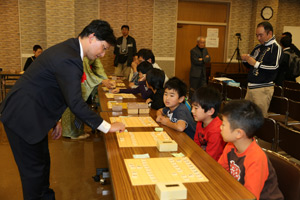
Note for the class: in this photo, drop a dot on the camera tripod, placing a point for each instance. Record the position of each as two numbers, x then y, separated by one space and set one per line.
238 55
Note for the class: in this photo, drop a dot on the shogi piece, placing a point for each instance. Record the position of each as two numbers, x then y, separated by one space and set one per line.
118 97
144 108
166 146
174 190
117 107
132 108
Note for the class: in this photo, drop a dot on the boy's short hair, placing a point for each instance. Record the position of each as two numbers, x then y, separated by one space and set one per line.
286 41
36 47
146 54
144 67
207 98
245 115
155 78
178 85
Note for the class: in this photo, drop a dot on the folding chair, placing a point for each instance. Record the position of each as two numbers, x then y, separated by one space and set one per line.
278 91
233 92
291 85
278 109
217 85
288 175
293 120
289 140
268 133
291 94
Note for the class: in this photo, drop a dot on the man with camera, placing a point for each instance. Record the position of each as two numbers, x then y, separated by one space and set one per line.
124 52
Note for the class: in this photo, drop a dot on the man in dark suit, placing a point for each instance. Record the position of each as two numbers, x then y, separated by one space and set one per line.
39 98
199 56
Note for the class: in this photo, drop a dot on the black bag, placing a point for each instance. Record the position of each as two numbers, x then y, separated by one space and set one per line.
294 63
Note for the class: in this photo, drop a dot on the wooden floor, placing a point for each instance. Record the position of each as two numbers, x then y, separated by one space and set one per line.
73 163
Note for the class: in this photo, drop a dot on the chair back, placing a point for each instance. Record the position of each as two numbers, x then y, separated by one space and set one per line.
268 133
291 85
288 175
278 110
233 92
291 94
278 91
289 140
294 110
218 85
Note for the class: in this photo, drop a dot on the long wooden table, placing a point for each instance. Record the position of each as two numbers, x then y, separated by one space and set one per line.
7 76
221 184
103 99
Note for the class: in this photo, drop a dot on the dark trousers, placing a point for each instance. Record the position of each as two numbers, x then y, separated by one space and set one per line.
197 82
33 162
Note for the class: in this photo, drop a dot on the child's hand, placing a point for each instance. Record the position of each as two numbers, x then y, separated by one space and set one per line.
158 118
117 90
131 84
148 100
143 78
164 120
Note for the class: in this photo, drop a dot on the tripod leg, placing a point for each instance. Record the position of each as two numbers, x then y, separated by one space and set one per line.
230 60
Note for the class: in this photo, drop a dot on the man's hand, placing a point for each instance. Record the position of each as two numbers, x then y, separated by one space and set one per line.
56 133
248 59
117 126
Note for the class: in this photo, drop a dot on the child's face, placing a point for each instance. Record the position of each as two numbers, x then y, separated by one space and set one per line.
226 132
141 75
172 99
199 113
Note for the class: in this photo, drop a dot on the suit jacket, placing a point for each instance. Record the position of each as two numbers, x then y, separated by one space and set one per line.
197 67
39 98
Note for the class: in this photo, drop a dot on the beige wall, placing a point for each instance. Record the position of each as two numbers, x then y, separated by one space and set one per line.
10 35
24 23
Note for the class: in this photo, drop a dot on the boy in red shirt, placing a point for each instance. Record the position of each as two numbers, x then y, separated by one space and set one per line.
242 156
206 102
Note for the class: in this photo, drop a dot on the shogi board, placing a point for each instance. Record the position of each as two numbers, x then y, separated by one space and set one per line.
135 121
105 89
141 139
169 169
111 103
120 84
125 96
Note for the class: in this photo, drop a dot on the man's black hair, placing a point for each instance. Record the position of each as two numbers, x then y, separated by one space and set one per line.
146 54
178 85
208 97
155 78
102 31
125 26
144 67
267 26
245 115
36 47
286 41
287 34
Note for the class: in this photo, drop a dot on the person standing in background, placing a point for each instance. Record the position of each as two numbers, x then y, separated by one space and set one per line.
199 56
263 63
124 52
37 50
